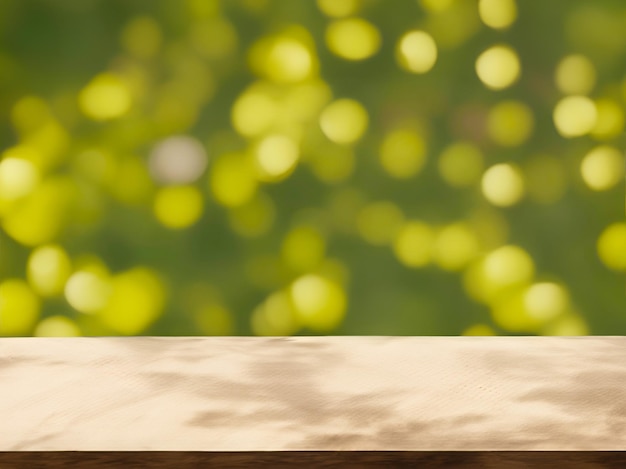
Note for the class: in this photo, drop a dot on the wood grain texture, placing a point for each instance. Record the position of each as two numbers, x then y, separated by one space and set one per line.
485 395
317 459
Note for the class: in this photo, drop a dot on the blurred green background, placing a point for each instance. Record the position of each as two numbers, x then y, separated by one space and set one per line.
282 167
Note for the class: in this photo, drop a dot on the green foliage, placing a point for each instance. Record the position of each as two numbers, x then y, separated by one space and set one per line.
278 167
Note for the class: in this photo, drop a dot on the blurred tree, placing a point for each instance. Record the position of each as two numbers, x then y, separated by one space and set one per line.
271 167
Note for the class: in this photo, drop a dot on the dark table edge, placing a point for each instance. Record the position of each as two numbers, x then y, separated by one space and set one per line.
347 459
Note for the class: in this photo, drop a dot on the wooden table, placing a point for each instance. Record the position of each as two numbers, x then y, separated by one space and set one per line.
313 401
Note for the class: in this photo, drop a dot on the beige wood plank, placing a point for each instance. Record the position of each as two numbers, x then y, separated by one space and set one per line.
313 394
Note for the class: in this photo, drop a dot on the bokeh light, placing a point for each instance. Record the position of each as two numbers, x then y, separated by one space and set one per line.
403 153
603 167
48 268
57 326
276 316
461 164
136 299
336 9
18 177
320 303
498 67
303 248
178 207
39 218
499 277
19 307
233 179
546 300
510 123
276 157
344 121
612 246
414 244
575 75
508 265
436 6
575 116
416 51
105 97
610 120
178 160
497 14
253 112
503 184
455 247
284 58
446 167
353 38
88 291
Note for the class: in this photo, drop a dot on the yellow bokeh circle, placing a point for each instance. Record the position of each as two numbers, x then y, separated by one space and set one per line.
289 61
509 312
106 97
497 14
353 38
603 167
455 246
503 185
610 121
178 207
344 121
436 6
40 217
510 123
546 300
575 75
336 9
47 269
509 265
253 113
612 246
88 290
303 248
402 153
19 307
575 116
282 59
136 300
233 179
276 316
414 243
57 326
320 303
461 164
276 157
498 67
18 178
416 52
499 274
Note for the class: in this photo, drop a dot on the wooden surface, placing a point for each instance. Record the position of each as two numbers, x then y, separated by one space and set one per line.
317 459
313 394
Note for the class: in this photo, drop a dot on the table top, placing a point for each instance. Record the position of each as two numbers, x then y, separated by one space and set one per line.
313 393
